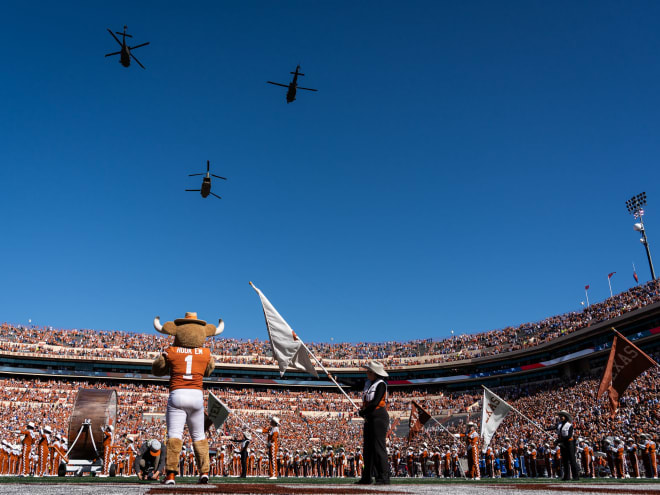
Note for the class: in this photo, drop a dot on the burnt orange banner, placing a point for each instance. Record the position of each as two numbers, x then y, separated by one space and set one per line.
626 362
418 418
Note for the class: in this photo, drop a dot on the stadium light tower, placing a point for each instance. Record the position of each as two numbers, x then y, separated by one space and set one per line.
635 207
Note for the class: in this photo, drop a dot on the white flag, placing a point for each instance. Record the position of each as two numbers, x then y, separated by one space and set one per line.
287 348
494 411
218 412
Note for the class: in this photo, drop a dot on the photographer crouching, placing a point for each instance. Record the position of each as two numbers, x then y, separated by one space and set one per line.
150 461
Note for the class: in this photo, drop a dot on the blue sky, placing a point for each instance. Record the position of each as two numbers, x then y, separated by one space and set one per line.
464 165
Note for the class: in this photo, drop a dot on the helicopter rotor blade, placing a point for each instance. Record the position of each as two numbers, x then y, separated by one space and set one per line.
192 175
307 89
217 176
193 190
139 63
116 39
115 53
214 194
138 46
278 84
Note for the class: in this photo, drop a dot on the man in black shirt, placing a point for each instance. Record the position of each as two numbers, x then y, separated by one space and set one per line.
376 424
566 441
244 446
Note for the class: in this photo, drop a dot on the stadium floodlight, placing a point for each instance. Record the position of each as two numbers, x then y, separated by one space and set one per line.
635 206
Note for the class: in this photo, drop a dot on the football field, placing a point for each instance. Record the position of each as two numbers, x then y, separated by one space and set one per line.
332 486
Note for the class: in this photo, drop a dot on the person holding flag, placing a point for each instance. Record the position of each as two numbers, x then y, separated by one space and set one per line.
273 432
376 423
472 439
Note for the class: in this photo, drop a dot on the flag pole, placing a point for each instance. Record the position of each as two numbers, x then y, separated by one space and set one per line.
609 282
586 293
516 410
327 373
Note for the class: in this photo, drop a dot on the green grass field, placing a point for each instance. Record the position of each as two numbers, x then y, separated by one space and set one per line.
318 481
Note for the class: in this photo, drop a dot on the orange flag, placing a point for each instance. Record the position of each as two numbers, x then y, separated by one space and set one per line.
626 362
418 418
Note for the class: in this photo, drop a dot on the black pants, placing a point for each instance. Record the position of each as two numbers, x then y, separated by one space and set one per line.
568 461
244 456
375 450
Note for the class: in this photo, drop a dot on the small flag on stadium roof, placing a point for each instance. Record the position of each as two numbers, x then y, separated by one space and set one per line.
610 275
635 274
287 348
626 362
586 287
418 418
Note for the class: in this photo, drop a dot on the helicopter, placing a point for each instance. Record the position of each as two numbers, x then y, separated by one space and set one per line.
293 85
125 52
206 182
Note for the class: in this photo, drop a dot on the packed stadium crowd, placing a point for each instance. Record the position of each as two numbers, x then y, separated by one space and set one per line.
320 434
90 344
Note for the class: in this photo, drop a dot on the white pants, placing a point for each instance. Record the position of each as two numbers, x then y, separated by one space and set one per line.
185 406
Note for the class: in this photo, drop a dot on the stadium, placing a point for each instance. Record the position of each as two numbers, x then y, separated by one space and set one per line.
434 175
538 368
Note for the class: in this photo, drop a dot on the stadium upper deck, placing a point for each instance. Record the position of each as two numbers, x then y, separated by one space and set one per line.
562 345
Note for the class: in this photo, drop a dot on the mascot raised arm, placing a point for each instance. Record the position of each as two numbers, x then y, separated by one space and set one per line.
187 361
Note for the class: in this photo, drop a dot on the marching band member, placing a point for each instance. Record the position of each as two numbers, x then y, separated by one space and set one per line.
533 454
359 464
620 452
446 471
455 463
29 436
490 462
251 462
107 448
472 438
508 459
273 446
43 451
221 461
4 457
56 453
611 456
131 452
565 436
631 453
650 460
424 455
376 424
437 461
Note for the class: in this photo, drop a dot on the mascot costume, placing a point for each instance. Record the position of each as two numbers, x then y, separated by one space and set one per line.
187 361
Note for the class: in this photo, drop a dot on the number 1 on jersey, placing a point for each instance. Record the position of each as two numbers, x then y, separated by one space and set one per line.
188 360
